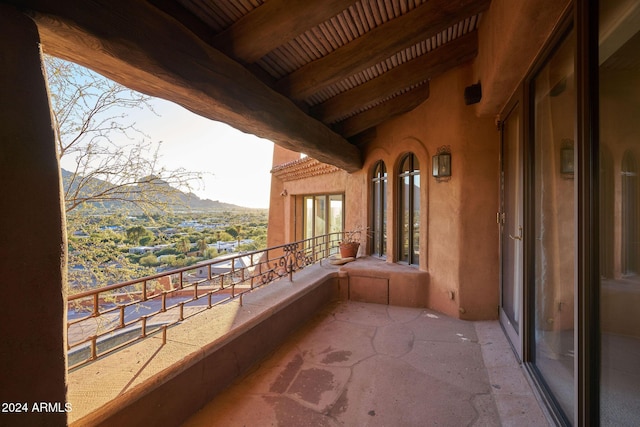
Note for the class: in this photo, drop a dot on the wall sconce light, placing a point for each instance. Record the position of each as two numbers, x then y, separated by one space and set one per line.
284 193
441 164
567 164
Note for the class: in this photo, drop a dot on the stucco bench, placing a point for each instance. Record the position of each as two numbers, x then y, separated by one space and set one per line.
376 281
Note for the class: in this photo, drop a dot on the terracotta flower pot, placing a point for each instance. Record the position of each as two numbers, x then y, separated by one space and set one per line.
349 250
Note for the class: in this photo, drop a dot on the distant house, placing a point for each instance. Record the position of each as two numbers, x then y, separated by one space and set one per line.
138 250
229 246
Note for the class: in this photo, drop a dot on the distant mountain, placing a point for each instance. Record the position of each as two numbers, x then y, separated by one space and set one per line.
175 198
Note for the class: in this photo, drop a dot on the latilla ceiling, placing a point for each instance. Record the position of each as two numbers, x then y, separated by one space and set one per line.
343 65
306 64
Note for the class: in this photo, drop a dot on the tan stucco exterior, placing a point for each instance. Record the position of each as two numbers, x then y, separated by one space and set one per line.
32 232
459 244
459 240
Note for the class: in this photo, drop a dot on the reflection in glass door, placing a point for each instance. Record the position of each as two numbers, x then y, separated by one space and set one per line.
619 212
629 199
554 226
511 225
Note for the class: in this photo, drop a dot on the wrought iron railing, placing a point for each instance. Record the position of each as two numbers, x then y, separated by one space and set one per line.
106 319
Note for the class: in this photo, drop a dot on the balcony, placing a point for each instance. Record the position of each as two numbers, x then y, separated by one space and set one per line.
273 343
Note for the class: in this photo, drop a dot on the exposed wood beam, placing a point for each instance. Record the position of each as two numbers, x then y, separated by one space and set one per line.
376 115
154 54
410 73
202 30
378 44
186 18
273 24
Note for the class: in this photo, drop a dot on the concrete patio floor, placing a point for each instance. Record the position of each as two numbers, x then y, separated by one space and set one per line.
361 364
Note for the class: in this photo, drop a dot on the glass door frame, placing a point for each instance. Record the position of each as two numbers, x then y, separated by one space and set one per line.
588 214
529 333
515 337
582 16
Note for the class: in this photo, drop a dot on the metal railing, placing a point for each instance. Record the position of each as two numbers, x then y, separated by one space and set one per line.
104 320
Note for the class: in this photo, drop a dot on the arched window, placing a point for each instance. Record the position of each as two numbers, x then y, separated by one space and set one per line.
409 210
379 210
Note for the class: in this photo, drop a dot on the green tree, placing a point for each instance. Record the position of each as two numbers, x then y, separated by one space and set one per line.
95 259
239 230
232 231
147 240
202 245
149 260
134 234
210 253
183 245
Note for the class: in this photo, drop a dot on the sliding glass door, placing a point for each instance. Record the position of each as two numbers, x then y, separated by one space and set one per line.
553 339
619 69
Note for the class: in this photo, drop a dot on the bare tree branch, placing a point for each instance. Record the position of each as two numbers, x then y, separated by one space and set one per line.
114 161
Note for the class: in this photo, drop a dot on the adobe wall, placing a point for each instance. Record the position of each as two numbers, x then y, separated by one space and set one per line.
278 211
510 36
32 235
286 197
460 246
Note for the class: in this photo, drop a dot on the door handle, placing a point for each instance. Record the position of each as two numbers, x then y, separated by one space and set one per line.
519 236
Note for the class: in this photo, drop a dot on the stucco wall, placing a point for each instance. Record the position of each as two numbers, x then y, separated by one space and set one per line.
459 235
459 240
279 210
32 234
511 34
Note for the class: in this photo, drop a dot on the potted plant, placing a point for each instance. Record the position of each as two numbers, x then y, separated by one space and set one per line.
351 243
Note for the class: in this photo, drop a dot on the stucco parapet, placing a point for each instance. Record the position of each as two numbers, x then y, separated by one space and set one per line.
302 168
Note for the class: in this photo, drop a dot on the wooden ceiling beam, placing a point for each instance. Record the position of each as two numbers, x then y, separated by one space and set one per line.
378 44
376 115
132 42
405 75
273 24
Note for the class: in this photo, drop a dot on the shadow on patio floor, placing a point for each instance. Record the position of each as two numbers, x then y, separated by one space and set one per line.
369 364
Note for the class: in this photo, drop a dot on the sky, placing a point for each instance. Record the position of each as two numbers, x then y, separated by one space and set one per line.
235 165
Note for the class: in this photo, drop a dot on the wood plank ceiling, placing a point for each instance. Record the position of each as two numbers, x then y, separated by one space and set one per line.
345 62
348 65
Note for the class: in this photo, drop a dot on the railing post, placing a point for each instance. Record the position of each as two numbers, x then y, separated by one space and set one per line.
143 329
94 348
122 316
144 290
290 270
313 248
96 310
